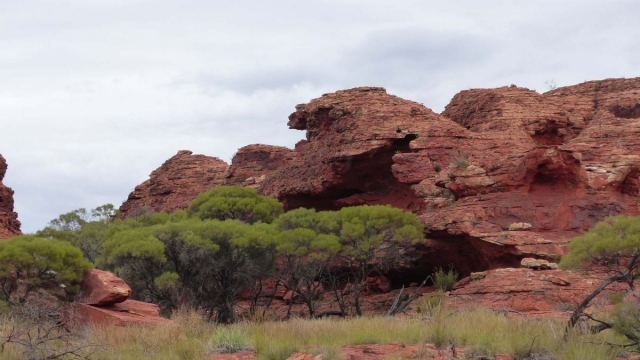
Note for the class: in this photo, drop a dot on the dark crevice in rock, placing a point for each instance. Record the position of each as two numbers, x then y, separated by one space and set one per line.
631 184
549 136
464 253
363 179
626 112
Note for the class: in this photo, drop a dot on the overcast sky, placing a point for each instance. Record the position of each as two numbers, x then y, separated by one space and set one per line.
96 94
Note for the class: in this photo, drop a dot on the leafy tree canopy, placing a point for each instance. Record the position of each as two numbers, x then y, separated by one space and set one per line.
84 229
612 246
38 263
609 241
235 203
206 260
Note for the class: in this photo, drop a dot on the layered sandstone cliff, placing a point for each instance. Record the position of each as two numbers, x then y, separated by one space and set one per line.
500 175
174 184
9 224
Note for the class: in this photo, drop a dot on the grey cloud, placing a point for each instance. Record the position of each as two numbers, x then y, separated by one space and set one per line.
96 95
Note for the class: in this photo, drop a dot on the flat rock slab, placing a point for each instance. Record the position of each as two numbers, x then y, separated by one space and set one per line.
128 312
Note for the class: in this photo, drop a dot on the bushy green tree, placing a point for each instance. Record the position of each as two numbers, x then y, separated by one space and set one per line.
84 229
235 203
205 262
29 263
373 239
358 241
612 246
305 258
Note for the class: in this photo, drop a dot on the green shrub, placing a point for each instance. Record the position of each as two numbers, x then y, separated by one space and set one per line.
229 340
445 280
430 303
461 162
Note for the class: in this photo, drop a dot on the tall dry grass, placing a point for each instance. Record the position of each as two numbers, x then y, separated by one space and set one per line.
481 331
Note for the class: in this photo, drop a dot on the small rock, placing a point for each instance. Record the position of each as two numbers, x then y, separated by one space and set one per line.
538 264
519 226
555 280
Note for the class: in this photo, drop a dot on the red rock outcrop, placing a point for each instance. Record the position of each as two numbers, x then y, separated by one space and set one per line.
9 224
253 163
552 163
175 184
352 137
501 175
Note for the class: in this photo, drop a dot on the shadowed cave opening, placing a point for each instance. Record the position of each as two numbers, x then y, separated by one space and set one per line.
464 253
549 137
363 179
626 112
631 184
554 179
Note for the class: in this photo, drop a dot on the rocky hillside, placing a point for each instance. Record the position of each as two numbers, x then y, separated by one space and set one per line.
500 175
9 224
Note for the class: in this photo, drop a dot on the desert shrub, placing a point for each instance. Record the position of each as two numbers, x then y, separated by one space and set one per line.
40 330
429 304
445 280
229 340
461 162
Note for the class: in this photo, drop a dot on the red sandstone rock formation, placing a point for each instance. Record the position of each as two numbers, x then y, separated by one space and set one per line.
174 184
502 174
254 163
553 163
9 224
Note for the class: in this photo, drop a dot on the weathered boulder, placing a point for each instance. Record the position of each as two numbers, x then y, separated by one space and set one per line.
102 288
175 184
129 312
9 224
538 264
103 299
